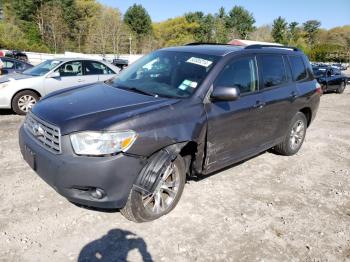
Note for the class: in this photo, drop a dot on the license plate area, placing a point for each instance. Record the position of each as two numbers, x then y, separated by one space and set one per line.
29 157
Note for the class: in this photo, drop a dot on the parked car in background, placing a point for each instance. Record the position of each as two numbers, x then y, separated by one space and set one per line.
19 55
340 66
130 142
120 63
22 91
12 65
330 78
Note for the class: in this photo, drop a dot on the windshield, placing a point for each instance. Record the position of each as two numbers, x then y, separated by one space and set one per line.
166 74
42 68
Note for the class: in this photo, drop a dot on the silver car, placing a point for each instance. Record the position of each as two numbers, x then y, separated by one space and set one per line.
20 92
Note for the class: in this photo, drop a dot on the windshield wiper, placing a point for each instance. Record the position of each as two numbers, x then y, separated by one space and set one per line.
138 90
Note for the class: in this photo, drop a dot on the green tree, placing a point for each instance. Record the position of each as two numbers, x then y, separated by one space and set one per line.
293 32
311 28
279 30
87 12
175 31
220 31
241 20
139 21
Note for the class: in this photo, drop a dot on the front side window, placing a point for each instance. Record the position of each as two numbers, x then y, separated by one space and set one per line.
273 70
298 68
42 68
20 66
73 68
96 68
240 73
166 73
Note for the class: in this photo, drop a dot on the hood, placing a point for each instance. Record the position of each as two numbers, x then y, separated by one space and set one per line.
94 107
13 77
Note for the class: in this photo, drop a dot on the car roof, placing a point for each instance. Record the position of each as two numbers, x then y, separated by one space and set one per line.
3 58
209 49
66 59
225 49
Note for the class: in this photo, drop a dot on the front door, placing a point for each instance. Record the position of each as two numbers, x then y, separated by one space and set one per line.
71 75
234 127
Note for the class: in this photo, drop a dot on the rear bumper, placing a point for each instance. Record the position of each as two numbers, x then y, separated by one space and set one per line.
74 177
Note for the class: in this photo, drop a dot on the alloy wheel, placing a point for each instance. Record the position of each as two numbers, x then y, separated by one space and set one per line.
297 134
165 193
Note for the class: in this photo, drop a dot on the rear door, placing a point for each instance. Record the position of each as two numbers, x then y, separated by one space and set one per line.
234 127
95 71
279 93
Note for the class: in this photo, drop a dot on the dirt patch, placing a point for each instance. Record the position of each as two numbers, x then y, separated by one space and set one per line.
270 208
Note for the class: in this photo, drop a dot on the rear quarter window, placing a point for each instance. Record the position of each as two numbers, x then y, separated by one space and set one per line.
299 70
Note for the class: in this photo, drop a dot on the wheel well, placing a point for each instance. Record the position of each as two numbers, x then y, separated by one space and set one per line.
308 114
188 153
32 90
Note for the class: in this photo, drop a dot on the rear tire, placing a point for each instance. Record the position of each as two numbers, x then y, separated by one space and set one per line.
141 207
341 88
24 101
294 137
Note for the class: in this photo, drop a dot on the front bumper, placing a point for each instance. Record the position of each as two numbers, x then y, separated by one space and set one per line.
75 176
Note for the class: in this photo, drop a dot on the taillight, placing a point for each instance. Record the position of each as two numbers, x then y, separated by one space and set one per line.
319 88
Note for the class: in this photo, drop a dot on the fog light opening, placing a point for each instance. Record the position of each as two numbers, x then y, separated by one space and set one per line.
97 193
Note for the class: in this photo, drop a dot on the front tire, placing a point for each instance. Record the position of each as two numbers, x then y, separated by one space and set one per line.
295 136
24 101
142 207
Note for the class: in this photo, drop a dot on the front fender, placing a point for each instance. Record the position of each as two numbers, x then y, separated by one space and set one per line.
170 125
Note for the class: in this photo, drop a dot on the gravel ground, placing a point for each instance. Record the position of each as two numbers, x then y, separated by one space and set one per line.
270 208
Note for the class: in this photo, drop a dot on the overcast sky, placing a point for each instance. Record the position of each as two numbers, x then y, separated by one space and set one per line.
330 13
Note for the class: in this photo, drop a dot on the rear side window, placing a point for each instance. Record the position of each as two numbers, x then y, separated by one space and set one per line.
240 73
273 70
298 68
96 68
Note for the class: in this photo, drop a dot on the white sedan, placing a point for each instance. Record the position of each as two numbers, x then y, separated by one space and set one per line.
20 92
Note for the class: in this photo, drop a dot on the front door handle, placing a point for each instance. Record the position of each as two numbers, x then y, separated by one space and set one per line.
80 80
259 104
293 95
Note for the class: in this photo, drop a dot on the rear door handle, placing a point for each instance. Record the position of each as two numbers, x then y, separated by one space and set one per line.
81 80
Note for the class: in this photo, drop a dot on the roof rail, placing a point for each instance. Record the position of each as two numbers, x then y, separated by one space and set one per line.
271 46
203 43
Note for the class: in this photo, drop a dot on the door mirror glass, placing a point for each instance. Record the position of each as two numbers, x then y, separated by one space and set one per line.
221 93
55 74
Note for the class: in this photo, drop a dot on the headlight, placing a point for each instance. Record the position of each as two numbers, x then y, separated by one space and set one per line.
102 143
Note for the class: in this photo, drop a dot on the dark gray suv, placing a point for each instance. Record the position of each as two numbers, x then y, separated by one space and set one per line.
131 142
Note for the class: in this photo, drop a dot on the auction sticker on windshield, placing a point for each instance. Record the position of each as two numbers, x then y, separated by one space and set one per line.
199 61
187 83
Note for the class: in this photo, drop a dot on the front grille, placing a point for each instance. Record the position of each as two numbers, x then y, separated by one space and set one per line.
47 135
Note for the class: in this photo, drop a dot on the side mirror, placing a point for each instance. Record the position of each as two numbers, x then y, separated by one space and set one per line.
225 93
55 74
